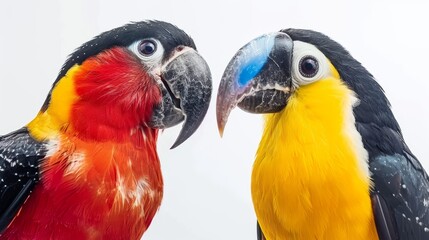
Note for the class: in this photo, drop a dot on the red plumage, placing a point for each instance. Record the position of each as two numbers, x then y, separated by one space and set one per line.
115 80
102 178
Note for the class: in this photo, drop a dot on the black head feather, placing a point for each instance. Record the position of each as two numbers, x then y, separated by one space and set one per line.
169 35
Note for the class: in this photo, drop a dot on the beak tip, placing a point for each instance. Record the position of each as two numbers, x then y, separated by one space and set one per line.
175 144
220 122
221 132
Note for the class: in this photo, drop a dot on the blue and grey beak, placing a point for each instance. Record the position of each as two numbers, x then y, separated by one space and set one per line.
258 78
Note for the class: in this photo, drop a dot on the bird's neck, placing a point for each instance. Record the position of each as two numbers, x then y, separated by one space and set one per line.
318 118
311 158
46 126
92 121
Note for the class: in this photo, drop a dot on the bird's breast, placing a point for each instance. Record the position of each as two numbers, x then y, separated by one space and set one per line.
93 191
310 177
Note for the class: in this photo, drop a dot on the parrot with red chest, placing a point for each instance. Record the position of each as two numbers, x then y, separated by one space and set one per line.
86 167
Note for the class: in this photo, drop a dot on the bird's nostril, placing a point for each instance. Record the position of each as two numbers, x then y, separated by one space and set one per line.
180 48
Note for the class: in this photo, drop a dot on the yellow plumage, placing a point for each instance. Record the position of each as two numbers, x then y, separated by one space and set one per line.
48 123
309 179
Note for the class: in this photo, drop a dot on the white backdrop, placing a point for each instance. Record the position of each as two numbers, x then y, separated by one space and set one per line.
207 180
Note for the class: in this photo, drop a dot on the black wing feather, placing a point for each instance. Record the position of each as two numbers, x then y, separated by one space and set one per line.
400 195
403 188
383 220
20 157
260 234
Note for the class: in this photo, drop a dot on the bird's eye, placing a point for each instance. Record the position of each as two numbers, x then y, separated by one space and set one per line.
308 66
147 47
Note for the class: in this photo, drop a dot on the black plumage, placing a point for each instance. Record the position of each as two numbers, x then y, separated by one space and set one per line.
20 157
259 234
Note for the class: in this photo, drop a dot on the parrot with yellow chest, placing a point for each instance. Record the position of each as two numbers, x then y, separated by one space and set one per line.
332 162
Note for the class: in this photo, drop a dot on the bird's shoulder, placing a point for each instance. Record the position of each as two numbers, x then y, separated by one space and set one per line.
20 157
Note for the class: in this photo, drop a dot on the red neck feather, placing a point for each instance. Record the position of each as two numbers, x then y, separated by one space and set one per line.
116 96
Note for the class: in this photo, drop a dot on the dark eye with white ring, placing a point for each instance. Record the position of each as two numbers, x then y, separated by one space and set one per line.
147 47
308 66
149 50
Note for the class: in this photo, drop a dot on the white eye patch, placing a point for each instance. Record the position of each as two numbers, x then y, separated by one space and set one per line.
309 64
149 50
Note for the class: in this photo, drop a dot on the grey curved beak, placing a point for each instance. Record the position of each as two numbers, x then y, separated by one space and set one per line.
257 79
186 92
